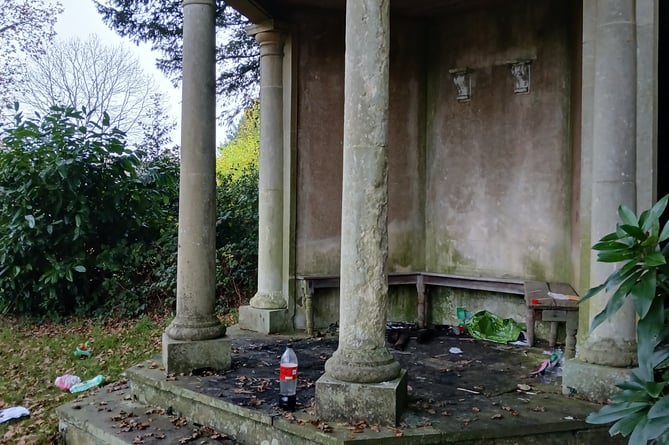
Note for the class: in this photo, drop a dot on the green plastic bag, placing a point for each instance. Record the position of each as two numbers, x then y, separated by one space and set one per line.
485 325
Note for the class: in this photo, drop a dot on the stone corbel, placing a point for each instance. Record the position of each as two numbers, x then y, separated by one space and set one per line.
520 71
463 83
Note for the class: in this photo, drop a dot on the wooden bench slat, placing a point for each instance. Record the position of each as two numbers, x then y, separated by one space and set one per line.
555 309
535 290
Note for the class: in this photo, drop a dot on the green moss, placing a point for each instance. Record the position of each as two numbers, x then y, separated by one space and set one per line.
444 258
405 254
533 268
402 303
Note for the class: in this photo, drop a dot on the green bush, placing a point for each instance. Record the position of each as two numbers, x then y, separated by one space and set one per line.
77 210
640 409
237 238
89 226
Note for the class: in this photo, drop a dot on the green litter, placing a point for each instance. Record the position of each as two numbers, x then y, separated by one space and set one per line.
485 325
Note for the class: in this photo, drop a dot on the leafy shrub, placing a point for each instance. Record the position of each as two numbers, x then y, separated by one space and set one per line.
240 154
640 409
237 237
237 212
89 226
77 209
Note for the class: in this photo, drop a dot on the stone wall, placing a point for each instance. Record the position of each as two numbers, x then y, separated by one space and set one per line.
499 166
320 133
477 188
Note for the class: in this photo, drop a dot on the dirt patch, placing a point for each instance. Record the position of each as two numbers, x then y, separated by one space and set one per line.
440 380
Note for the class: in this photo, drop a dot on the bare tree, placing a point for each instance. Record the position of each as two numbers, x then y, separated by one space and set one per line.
26 28
88 73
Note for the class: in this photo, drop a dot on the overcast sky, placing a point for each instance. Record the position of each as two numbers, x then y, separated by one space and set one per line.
80 19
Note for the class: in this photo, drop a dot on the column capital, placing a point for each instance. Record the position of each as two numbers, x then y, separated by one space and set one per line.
271 43
266 26
211 3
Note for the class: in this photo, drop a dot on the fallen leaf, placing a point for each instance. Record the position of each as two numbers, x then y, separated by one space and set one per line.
322 426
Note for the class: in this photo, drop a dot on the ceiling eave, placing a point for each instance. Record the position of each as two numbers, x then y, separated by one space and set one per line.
250 9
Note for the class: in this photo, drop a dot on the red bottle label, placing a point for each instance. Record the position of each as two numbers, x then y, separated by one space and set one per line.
288 372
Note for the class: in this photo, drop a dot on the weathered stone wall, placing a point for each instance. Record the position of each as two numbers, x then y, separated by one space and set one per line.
319 143
320 132
499 166
477 188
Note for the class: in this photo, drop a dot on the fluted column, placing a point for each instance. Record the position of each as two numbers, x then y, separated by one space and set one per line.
270 198
195 320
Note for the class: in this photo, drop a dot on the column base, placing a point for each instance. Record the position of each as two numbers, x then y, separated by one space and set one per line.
591 382
183 356
616 353
362 366
376 403
268 300
265 321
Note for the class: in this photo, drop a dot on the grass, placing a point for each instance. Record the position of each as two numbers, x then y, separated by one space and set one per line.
32 356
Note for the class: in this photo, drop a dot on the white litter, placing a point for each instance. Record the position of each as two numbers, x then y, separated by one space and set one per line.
455 350
15 412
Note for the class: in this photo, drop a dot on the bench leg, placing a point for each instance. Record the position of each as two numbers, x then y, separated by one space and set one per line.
570 340
530 327
552 339
309 308
422 303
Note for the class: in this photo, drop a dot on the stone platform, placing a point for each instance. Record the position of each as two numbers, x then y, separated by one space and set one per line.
469 398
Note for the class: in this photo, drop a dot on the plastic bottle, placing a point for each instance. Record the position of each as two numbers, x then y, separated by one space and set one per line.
88 384
288 379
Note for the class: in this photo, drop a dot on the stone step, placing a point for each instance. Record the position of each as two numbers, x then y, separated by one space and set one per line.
270 426
151 387
111 416
151 407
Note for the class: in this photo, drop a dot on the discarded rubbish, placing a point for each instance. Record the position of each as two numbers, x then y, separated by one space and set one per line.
463 319
455 350
399 333
524 387
288 379
522 340
83 350
88 384
468 391
557 296
15 412
400 325
551 366
425 335
66 381
485 325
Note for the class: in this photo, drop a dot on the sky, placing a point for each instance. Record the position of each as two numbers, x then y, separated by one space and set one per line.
81 19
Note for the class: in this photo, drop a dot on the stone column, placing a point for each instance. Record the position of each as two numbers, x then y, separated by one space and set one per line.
195 338
349 389
612 345
267 311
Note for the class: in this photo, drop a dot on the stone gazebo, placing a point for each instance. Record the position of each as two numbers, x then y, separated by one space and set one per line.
479 138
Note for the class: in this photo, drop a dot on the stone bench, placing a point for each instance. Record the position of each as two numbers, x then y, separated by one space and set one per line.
542 305
546 308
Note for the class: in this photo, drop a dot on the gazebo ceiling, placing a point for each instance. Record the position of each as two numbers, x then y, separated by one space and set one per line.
410 8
